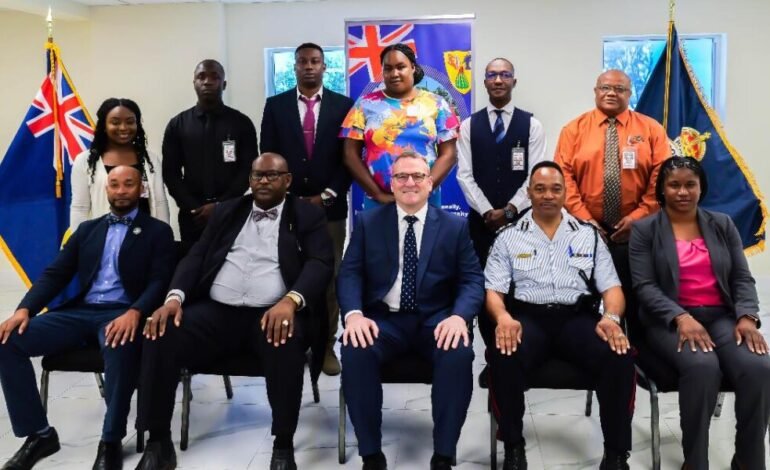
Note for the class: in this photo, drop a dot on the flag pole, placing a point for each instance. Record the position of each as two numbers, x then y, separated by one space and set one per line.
669 46
53 62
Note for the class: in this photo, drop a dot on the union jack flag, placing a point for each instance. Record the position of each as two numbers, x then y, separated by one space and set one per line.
34 174
364 51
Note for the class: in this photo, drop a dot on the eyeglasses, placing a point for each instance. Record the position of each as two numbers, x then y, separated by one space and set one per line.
403 178
270 175
619 89
504 75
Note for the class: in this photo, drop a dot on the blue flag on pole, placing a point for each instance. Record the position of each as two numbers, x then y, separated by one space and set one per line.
674 98
34 175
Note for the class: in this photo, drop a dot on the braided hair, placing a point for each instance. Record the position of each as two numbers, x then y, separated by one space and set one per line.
419 73
100 142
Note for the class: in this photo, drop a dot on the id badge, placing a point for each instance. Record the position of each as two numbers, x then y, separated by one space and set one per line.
228 151
517 159
629 158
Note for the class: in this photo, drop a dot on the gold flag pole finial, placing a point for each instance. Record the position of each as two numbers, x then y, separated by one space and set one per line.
49 21
671 5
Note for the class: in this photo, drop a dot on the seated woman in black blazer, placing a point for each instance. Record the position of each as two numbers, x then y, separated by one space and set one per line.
699 305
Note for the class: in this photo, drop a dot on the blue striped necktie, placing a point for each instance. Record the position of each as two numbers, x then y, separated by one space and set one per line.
409 277
499 130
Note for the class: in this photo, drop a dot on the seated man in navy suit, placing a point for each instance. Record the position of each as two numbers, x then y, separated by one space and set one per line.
410 281
124 262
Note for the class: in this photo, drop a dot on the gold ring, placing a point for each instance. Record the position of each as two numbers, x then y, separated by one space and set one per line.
148 320
285 323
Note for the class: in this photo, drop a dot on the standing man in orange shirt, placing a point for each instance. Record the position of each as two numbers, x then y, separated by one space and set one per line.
610 158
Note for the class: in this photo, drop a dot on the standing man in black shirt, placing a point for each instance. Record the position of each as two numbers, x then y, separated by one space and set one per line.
302 124
207 153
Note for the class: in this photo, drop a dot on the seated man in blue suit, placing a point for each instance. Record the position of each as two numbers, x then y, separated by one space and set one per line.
410 281
124 262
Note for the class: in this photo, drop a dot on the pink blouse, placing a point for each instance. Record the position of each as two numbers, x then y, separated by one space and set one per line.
697 283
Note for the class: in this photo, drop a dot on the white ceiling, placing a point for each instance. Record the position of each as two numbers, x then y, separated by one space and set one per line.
145 2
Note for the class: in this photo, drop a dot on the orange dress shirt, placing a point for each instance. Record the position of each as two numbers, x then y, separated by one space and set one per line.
580 153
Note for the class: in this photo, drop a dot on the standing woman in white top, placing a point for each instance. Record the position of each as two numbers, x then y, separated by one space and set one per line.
119 139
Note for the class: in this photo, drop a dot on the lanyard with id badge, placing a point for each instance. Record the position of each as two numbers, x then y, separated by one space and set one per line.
517 157
628 154
228 150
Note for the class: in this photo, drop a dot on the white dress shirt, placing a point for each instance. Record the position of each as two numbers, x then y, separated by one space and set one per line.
473 193
393 298
251 275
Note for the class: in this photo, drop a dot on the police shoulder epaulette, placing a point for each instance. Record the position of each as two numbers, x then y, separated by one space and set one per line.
504 228
574 225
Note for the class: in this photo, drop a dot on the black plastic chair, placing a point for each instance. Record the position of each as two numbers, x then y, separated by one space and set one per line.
85 359
410 368
656 376
243 365
555 374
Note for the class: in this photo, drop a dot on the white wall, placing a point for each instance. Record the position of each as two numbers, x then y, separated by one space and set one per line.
148 53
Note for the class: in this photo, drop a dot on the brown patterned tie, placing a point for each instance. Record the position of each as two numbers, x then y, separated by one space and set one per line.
611 174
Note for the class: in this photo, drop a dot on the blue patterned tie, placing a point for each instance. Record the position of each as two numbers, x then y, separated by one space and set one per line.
499 130
409 277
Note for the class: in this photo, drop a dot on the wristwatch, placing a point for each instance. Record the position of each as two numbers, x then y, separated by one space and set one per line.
510 213
327 199
294 297
612 316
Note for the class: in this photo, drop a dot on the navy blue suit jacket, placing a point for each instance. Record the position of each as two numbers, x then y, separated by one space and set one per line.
449 277
282 133
145 264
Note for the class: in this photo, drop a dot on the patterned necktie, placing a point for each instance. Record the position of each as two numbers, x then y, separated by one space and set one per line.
258 215
409 276
611 174
113 219
308 124
499 130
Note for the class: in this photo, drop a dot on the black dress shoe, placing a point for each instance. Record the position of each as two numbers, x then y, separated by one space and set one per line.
109 456
734 465
439 462
614 461
158 455
515 458
34 448
283 459
375 462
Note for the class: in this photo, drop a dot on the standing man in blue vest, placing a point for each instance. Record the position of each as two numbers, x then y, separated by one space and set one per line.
498 146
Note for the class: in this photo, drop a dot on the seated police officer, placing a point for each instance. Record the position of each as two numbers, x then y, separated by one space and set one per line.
123 261
549 263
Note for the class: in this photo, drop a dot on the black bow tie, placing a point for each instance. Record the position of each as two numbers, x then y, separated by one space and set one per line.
258 215
113 219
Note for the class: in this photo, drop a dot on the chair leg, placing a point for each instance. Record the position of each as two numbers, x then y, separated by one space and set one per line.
655 426
718 407
316 392
492 435
100 383
341 429
139 442
589 401
186 398
228 387
44 378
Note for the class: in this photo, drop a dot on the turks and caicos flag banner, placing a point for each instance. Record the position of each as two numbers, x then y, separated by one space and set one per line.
443 47
34 174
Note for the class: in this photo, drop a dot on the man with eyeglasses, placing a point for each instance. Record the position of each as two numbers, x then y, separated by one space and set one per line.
410 281
497 147
302 125
250 283
610 157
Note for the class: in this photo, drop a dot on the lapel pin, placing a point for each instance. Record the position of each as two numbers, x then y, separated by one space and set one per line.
137 230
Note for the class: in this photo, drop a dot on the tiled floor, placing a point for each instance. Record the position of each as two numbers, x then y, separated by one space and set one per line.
235 434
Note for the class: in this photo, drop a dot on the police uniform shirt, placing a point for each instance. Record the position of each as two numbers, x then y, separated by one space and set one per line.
548 271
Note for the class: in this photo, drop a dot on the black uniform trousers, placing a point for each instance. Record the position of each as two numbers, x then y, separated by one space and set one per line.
209 332
550 330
